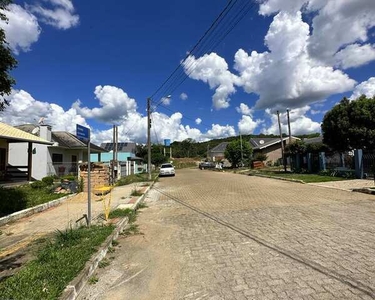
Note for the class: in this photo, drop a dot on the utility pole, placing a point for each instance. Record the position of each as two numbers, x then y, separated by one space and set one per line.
149 138
290 132
282 142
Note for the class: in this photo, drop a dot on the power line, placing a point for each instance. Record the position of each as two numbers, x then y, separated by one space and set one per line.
214 38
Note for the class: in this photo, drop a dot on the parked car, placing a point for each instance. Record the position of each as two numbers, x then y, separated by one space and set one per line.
207 165
167 170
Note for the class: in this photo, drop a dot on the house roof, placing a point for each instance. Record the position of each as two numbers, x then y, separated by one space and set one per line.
14 134
314 140
261 143
121 147
64 139
70 141
220 148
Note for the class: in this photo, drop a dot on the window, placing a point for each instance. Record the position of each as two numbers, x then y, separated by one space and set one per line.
57 158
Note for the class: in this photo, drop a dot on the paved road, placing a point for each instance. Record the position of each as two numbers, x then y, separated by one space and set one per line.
210 235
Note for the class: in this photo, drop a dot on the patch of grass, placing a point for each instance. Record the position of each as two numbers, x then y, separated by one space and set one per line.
93 279
104 263
19 198
136 178
132 229
111 250
115 243
307 178
142 205
57 263
136 193
118 213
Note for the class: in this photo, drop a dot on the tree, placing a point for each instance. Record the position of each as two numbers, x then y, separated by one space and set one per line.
233 152
350 125
297 147
7 61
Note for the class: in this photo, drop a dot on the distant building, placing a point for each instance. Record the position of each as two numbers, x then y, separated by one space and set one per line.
128 163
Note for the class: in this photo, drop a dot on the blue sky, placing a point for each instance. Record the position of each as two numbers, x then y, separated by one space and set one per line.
112 55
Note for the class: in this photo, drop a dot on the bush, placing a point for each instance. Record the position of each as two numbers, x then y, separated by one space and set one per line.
68 177
48 180
12 200
260 157
38 184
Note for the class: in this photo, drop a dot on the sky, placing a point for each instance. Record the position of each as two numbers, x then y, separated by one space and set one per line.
95 63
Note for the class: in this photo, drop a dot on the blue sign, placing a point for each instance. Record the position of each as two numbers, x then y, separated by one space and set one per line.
83 132
167 142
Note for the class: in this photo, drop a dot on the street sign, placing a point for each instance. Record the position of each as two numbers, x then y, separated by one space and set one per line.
167 142
82 132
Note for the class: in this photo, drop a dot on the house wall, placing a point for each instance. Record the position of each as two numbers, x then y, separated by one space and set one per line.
67 166
18 157
4 145
215 156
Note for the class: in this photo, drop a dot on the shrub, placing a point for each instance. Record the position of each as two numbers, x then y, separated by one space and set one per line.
68 177
260 157
48 180
38 184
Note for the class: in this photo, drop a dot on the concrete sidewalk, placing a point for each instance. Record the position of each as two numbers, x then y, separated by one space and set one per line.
347 185
19 234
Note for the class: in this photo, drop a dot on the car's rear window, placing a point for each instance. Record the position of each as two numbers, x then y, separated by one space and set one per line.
166 166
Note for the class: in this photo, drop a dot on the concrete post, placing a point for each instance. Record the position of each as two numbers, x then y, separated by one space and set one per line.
309 162
322 161
358 153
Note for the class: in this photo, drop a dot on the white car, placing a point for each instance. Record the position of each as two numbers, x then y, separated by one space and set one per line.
167 170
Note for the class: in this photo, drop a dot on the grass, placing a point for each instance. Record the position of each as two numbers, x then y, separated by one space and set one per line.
136 178
104 263
57 263
93 279
19 198
132 229
136 193
307 178
119 213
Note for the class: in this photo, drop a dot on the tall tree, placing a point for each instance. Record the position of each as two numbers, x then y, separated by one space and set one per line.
350 125
234 155
7 61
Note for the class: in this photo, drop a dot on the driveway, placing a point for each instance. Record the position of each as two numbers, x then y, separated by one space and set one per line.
211 235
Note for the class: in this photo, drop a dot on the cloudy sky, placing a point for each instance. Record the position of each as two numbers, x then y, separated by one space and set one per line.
95 63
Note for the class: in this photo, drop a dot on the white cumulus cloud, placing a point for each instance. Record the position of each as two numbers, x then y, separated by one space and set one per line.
115 105
213 69
299 123
198 121
184 96
366 88
61 14
244 109
25 109
21 30
287 76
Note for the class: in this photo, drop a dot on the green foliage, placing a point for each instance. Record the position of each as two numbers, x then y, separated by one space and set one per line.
136 178
19 198
297 147
7 61
56 264
157 159
317 147
350 125
120 213
48 180
233 152
68 177
38 184
260 157
136 193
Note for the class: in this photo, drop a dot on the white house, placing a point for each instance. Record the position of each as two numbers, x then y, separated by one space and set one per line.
60 158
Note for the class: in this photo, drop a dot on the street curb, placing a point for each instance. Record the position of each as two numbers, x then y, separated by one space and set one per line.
278 178
32 210
74 288
365 191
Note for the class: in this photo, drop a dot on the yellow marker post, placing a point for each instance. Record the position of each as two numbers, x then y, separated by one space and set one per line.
106 204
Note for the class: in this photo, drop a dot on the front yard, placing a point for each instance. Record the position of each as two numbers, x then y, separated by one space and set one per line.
22 197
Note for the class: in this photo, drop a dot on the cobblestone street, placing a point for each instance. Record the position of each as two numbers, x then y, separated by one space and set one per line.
211 235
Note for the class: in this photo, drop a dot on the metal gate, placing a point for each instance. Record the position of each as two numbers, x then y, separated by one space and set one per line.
368 162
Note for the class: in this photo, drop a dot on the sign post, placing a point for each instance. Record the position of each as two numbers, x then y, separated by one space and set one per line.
83 133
